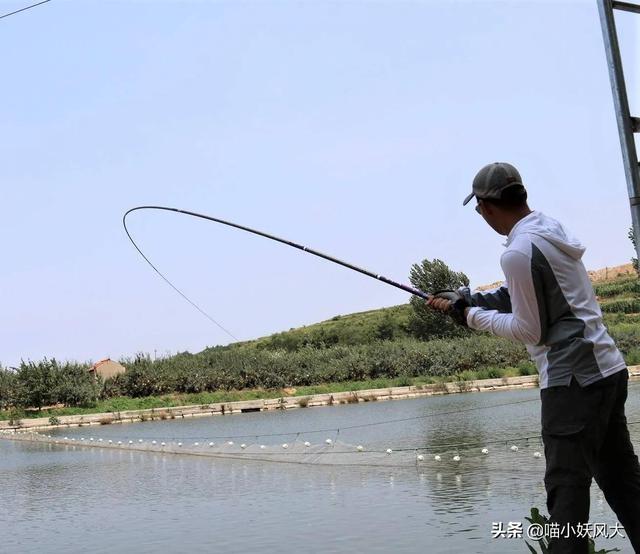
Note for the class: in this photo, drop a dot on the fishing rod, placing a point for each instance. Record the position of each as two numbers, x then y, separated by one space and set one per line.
386 280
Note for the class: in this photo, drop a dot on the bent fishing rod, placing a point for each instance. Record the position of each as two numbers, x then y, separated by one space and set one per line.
386 280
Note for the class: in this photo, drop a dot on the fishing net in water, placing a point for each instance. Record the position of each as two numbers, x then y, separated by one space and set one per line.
329 447
495 454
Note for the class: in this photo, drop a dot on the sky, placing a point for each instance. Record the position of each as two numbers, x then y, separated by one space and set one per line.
354 128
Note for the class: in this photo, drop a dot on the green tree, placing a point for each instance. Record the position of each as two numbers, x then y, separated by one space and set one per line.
431 276
73 385
7 388
35 383
634 261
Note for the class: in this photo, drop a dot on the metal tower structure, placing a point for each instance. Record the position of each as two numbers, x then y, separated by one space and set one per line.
627 125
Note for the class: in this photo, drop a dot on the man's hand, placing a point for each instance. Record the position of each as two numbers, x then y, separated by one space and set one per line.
451 303
441 304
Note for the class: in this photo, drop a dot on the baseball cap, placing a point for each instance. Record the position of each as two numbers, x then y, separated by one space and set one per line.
492 180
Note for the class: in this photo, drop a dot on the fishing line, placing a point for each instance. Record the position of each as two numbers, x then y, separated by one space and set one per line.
332 259
23 9
205 314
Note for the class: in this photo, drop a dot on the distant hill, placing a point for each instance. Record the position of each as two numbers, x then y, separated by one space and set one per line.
391 322
596 276
350 329
609 273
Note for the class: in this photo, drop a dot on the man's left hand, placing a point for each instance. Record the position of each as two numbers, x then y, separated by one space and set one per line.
451 303
441 304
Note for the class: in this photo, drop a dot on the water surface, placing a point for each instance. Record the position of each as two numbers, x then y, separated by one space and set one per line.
73 499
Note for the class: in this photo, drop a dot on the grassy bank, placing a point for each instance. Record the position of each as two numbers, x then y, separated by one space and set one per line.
123 403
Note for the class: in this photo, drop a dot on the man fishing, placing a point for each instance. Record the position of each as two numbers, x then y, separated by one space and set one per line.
548 303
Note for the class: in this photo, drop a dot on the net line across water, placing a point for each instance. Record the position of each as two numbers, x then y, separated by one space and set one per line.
329 452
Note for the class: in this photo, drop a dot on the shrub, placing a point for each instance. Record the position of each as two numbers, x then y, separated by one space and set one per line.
626 306
14 418
303 402
543 542
615 288
633 357
250 368
527 367
113 387
626 339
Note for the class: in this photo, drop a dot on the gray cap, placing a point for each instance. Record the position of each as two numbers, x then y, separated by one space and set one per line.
492 180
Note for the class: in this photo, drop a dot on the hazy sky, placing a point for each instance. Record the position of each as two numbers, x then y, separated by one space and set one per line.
352 127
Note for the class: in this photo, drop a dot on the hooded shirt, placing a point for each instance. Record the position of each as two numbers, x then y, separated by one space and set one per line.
548 303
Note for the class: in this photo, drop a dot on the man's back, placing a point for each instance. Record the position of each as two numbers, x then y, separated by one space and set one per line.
573 338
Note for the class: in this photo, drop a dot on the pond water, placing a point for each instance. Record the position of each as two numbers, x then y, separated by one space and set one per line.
58 498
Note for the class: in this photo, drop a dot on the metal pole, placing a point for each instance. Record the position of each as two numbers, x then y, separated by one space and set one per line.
621 104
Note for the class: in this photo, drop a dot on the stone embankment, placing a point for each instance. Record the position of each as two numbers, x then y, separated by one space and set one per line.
285 403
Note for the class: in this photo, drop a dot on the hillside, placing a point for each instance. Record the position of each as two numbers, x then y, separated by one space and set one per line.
617 289
357 328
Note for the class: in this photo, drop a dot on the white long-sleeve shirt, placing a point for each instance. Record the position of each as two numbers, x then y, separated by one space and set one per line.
548 304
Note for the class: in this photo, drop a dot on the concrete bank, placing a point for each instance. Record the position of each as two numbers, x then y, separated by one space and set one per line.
285 403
